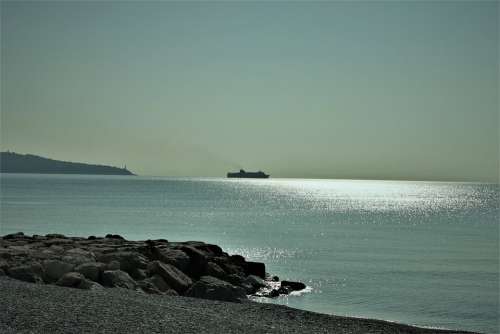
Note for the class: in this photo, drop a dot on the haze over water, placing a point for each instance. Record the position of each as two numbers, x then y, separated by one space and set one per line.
423 253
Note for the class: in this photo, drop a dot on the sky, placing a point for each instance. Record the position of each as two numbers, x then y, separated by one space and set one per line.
359 90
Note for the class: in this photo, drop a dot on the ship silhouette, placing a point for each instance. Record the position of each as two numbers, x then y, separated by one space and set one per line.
243 174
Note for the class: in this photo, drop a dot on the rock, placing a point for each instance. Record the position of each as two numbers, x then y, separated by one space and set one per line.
237 259
175 257
148 287
91 270
55 269
27 273
284 290
197 263
91 237
255 268
18 235
209 287
170 292
57 241
275 279
254 283
159 282
114 236
129 261
175 278
55 236
213 269
211 249
80 256
112 265
71 279
138 274
235 279
90 285
118 278
77 280
294 286
273 294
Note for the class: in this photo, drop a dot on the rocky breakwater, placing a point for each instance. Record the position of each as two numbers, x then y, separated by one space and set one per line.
192 268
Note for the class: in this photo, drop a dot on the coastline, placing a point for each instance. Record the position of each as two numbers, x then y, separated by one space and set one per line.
150 287
33 308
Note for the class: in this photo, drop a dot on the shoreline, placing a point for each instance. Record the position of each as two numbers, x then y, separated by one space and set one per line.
34 308
159 275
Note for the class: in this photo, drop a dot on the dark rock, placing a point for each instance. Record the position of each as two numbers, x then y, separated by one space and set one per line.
209 287
129 261
170 292
29 273
198 261
89 285
293 286
175 257
159 282
254 283
118 278
92 237
138 274
255 268
275 279
148 287
114 236
273 294
210 249
175 278
55 269
112 265
78 256
55 236
235 279
237 259
71 280
77 280
284 290
91 270
57 241
213 269
18 235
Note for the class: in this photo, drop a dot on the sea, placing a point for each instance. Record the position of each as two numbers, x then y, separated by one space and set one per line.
421 253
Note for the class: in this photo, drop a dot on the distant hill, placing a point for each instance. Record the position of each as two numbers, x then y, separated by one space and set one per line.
11 162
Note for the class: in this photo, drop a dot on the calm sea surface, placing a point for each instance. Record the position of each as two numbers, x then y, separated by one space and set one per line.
423 253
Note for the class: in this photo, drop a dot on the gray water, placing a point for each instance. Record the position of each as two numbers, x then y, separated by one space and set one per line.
423 253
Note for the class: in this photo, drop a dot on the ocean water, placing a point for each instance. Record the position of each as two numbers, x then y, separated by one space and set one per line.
423 253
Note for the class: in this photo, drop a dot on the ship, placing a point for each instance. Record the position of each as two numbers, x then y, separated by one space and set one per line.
253 175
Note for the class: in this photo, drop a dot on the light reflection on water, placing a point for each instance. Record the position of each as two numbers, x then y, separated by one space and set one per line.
416 252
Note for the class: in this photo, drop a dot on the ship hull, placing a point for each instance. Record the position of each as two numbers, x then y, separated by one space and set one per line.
247 175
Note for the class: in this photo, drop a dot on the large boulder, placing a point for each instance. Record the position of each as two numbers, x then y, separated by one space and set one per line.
129 261
159 282
213 269
118 279
77 280
209 287
197 263
175 278
55 269
91 270
29 273
255 268
253 283
175 257
293 286
78 256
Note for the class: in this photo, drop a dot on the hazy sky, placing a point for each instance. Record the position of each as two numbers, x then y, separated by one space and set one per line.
397 90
